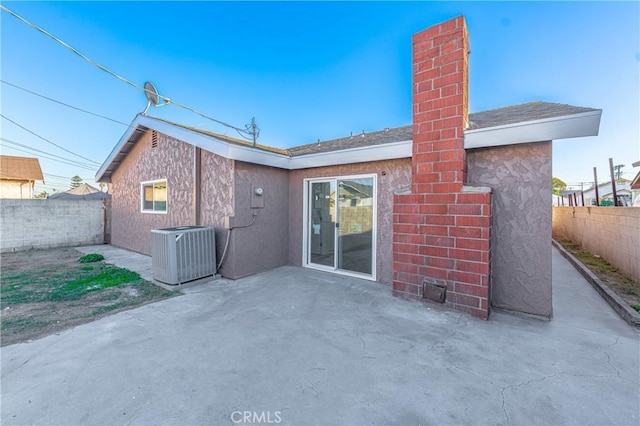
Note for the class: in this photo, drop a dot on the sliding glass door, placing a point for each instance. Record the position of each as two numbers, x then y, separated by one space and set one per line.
340 224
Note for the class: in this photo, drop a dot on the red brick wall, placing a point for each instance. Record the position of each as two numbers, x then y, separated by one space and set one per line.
442 228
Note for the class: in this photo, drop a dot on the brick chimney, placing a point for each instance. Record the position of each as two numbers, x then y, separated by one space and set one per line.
441 234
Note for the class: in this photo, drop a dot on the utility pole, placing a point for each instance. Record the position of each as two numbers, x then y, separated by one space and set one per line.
613 183
595 185
618 170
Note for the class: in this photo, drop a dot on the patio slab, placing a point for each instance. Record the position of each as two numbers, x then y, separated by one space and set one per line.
299 346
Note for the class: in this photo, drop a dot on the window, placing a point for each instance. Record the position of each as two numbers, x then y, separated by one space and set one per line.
154 196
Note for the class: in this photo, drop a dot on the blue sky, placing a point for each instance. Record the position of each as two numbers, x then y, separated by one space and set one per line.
309 71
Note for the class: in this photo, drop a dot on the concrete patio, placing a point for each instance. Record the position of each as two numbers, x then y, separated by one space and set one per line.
298 346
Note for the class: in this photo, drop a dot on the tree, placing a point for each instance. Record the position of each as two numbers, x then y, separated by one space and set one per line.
43 194
558 185
75 181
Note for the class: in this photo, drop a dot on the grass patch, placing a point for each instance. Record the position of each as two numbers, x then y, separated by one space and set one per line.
51 290
106 277
636 307
91 257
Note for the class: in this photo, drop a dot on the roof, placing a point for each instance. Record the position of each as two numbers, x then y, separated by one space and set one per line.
387 135
20 168
531 111
84 191
229 139
525 123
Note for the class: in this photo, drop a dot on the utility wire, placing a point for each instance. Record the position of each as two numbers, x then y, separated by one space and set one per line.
52 159
71 48
44 152
242 132
63 177
62 103
47 140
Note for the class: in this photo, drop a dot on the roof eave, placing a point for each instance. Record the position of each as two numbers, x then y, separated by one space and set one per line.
107 165
548 129
362 154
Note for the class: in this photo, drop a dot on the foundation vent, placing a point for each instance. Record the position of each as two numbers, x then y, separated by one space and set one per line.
435 290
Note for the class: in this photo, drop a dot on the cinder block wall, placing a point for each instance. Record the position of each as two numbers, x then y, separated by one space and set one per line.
441 230
610 232
40 224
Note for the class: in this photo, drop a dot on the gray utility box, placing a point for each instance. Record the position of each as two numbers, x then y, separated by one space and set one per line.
183 253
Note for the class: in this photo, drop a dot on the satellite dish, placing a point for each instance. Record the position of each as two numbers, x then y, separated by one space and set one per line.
151 93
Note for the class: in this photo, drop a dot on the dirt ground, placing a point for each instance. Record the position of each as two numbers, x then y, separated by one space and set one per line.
29 276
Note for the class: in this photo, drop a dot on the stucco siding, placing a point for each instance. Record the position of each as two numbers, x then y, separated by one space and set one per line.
264 244
172 160
392 175
217 189
14 189
520 176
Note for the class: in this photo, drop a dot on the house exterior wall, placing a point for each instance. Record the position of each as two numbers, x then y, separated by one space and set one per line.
16 189
264 244
520 176
392 176
171 159
217 198
610 232
40 224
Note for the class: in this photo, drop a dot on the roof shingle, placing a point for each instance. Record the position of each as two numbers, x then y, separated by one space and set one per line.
20 168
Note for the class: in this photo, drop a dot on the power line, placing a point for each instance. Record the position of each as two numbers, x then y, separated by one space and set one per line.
47 140
44 152
51 159
250 129
62 103
64 177
71 48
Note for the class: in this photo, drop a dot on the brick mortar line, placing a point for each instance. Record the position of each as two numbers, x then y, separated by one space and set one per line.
625 312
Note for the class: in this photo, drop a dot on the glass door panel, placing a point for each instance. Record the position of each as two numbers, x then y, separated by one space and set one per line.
322 223
355 224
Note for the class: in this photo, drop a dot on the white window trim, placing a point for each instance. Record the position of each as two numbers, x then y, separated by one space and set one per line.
305 224
142 185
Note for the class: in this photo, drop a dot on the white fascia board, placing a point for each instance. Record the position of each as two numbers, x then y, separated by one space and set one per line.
224 149
116 149
388 151
249 154
548 129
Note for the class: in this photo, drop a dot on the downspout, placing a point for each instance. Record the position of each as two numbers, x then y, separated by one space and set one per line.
197 187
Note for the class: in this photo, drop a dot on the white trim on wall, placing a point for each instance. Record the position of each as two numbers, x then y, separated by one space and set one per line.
374 224
153 182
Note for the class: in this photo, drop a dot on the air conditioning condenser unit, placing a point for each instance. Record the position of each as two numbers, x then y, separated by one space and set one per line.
183 253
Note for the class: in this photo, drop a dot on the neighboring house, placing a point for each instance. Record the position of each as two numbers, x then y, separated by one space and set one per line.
84 191
635 187
430 202
605 192
18 176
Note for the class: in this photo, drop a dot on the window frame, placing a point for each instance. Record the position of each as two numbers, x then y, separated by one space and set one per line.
152 184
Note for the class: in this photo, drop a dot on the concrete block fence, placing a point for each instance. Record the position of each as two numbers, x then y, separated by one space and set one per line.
40 224
610 232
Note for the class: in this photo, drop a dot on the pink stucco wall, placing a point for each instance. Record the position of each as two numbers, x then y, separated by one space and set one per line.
392 175
174 160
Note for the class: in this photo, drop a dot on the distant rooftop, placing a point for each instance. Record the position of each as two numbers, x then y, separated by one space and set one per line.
20 168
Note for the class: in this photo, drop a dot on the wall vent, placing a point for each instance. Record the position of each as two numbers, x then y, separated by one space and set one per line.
154 139
434 289
183 253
